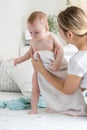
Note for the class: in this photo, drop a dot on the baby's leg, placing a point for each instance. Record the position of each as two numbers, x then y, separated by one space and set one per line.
35 94
48 110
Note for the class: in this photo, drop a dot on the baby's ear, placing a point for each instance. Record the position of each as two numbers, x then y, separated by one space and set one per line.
47 27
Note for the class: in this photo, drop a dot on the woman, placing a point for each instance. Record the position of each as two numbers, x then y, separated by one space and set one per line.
73 29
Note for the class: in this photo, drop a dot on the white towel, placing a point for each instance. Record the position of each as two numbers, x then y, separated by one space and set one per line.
56 100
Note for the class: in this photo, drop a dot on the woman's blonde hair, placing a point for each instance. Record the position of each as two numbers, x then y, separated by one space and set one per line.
73 19
38 15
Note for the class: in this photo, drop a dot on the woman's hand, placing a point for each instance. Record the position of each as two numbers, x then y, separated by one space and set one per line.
37 64
54 65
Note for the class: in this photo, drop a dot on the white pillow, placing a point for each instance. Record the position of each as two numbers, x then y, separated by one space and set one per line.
22 75
6 82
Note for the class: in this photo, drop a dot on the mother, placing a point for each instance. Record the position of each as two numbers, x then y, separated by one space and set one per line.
73 29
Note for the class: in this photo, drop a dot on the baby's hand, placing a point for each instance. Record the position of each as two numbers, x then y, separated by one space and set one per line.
17 61
54 66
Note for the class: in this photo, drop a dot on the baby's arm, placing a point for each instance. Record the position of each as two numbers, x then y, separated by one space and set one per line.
59 52
25 57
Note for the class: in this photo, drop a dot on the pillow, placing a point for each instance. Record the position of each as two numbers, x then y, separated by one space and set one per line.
6 83
22 75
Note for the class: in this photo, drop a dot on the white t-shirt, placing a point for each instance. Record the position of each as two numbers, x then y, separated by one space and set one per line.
78 66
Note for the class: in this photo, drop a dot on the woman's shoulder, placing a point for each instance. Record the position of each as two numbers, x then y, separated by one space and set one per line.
79 58
78 64
80 55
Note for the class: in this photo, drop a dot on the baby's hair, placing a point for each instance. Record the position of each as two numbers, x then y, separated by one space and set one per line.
73 19
38 15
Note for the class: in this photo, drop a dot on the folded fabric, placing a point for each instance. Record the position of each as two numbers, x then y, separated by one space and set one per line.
2 104
21 103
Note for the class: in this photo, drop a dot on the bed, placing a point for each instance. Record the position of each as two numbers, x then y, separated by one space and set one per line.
15 120
20 119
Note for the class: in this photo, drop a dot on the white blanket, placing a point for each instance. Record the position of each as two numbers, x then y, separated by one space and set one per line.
21 120
55 99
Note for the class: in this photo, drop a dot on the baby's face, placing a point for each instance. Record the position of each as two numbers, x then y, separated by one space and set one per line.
37 30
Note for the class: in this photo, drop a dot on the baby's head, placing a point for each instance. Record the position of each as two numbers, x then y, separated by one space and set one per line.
37 24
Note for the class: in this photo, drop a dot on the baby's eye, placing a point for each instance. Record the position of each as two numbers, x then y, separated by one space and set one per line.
36 32
30 32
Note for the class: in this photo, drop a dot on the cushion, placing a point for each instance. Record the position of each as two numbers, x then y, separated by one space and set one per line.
6 82
22 75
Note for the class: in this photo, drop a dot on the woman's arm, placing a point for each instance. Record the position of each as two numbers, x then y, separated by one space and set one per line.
67 86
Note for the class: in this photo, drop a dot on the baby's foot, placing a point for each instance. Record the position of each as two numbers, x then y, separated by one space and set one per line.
32 112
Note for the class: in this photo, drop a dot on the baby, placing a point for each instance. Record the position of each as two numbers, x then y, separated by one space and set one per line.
42 39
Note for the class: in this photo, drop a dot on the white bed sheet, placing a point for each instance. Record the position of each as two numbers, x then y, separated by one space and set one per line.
21 120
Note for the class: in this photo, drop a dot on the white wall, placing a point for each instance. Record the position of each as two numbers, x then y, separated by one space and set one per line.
80 3
84 5
13 16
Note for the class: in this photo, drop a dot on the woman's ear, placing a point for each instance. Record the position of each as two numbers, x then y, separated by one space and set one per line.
70 35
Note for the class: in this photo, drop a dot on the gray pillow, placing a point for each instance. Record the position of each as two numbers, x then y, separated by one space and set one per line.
6 83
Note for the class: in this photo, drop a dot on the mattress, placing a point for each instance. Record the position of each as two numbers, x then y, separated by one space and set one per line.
21 120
